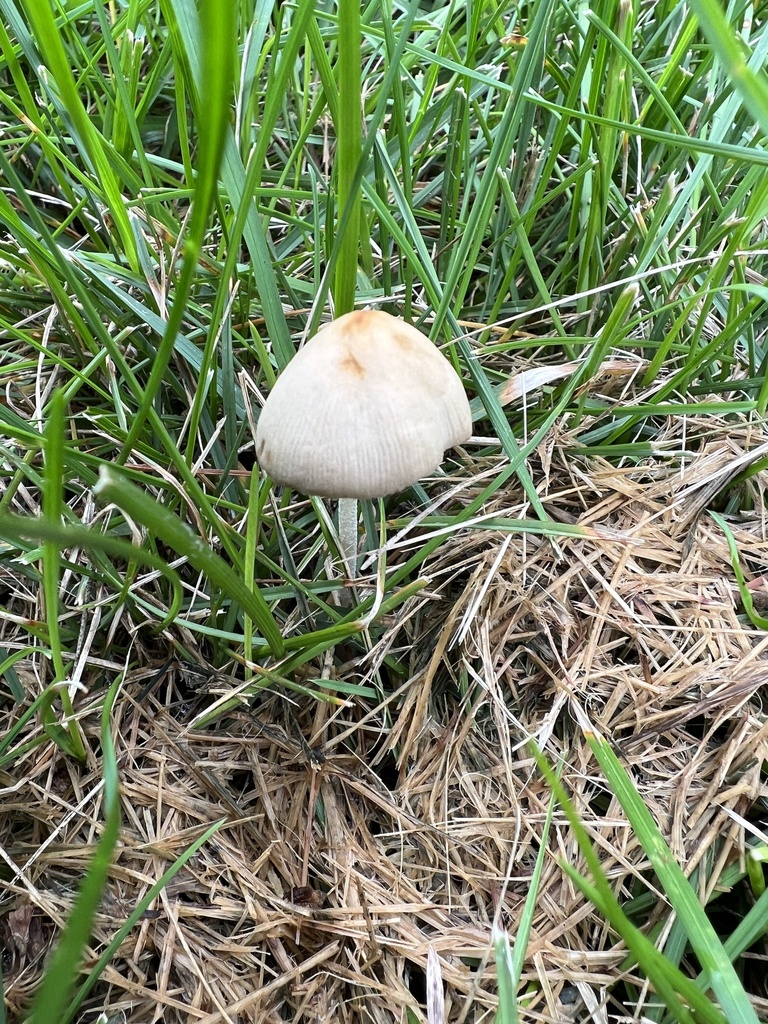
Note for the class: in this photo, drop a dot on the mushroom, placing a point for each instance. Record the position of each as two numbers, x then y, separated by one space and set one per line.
366 408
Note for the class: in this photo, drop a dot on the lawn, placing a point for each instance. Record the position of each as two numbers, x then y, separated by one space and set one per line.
512 768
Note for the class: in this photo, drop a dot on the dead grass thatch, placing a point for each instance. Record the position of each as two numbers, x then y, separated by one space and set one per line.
357 841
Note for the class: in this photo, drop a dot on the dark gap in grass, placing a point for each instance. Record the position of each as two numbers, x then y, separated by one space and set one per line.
387 771
417 983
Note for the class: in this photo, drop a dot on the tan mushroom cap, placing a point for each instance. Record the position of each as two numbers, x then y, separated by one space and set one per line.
367 407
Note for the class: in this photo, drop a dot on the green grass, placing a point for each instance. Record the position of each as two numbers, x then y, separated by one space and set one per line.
171 223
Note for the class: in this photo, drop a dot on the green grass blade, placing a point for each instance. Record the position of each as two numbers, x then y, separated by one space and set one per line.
670 984
715 962
61 84
668 981
52 510
116 489
505 139
217 19
132 920
276 88
753 615
16 529
55 989
749 930
510 962
752 85
183 15
725 150
507 1012
256 499
348 151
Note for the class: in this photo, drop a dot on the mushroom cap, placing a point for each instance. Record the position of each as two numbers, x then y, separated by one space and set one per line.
367 407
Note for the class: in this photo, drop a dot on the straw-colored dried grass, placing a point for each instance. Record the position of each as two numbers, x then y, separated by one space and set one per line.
358 840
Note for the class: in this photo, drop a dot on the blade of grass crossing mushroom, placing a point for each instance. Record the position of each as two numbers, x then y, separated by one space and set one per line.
116 489
702 936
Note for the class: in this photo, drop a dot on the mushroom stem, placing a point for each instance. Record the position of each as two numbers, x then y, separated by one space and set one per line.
348 534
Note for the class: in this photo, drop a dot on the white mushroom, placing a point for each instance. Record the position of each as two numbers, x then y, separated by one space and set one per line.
366 408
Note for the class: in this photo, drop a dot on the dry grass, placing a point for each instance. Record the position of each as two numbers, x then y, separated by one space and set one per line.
357 839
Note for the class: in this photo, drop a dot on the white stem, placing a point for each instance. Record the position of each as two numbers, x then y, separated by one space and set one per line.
348 534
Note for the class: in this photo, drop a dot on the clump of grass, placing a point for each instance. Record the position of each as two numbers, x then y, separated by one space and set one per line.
579 192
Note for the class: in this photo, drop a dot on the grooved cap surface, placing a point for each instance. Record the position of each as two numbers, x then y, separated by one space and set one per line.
367 407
